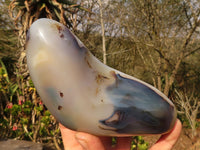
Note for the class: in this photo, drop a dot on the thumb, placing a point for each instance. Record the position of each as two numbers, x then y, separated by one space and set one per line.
91 142
167 141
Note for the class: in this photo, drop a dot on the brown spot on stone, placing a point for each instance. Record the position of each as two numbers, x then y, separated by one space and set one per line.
113 74
88 64
97 91
59 28
87 56
62 35
61 94
102 100
100 78
59 107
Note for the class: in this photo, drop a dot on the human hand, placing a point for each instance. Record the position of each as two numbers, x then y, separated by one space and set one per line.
74 140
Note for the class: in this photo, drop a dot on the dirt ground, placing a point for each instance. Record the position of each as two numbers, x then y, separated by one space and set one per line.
184 142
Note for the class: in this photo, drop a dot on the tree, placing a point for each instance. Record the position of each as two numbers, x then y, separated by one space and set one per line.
165 34
188 106
119 51
102 32
8 37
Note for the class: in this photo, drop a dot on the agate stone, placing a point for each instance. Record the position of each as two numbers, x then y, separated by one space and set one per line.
84 94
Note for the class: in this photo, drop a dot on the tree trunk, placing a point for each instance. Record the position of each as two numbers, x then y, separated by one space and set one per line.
103 33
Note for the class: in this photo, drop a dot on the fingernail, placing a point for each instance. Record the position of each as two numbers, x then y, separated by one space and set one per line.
81 140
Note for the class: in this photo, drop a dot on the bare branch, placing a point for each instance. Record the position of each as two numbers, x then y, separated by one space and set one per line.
189 106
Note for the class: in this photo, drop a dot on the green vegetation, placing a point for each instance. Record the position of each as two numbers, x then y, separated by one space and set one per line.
23 117
139 143
157 42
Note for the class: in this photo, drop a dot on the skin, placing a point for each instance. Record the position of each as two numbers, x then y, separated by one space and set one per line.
74 140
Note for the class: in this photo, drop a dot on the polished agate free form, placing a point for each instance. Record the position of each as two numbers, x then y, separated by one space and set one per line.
84 94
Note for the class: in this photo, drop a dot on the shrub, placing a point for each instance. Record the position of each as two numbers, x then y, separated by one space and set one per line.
23 115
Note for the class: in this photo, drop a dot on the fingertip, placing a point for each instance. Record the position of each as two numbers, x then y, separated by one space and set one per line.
175 132
167 141
179 124
69 140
